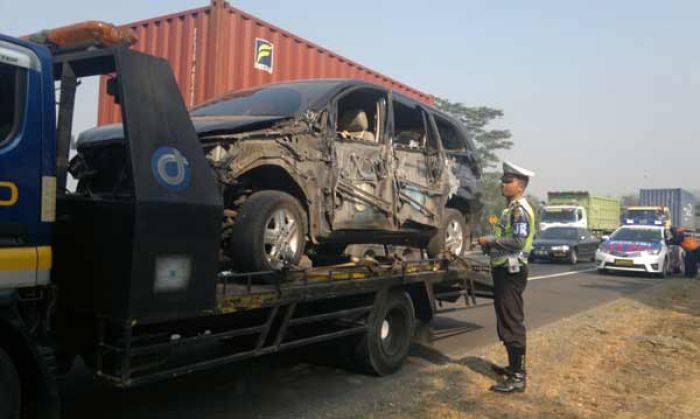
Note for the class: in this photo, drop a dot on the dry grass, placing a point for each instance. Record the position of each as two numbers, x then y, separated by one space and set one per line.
637 356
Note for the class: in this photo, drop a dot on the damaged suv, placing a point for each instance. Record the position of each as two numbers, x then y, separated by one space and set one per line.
316 165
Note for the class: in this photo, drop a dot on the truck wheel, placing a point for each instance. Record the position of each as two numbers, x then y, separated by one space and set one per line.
384 347
452 236
269 233
10 401
573 257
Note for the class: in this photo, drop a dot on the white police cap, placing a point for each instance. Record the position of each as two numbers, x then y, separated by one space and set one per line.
512 169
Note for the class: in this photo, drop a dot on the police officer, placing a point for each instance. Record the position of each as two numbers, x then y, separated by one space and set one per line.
509 249
691 246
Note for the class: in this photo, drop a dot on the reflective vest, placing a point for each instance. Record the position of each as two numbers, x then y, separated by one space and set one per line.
689 243
505 229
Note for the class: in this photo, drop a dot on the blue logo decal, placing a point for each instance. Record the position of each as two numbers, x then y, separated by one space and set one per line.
171 169
264 55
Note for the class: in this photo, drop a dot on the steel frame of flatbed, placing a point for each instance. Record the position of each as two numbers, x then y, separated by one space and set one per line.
282 300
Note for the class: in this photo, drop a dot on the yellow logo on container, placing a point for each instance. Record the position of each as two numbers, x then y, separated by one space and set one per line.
264 55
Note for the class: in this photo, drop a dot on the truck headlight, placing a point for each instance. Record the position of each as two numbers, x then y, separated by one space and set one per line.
563 248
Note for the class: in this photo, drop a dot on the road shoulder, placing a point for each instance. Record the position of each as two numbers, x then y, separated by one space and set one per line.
636 356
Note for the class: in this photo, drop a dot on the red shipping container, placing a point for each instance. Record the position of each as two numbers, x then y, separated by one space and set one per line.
217 49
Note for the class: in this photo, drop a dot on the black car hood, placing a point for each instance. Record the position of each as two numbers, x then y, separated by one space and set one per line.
202 125
554 242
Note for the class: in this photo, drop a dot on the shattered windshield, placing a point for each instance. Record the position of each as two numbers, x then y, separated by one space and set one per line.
558 215
276 100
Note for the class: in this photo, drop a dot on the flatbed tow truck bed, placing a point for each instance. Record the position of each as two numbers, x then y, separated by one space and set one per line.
266 312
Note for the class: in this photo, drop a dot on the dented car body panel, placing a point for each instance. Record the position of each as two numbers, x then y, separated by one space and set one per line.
359 158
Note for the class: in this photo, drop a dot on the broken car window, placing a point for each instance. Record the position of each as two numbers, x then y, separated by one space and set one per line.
359 115
409 128
451 137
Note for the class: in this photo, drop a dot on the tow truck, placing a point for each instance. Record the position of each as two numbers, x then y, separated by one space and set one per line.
129 279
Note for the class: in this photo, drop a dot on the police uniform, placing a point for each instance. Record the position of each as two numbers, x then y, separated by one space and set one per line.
509 249
691 247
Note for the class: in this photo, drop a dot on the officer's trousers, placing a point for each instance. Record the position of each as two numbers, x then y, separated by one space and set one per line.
692 257
508 302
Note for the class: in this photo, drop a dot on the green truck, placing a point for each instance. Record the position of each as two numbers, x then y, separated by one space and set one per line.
600 214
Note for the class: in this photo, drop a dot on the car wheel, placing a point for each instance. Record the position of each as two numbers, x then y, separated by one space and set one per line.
666 269
602 271
10 401
269 232
573 257
452 236
390 326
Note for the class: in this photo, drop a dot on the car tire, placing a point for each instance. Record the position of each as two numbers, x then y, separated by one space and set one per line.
269 232
666 269
602 271
384 347
10 394
573 257
453 223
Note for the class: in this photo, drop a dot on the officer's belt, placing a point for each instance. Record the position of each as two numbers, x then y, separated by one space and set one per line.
500 254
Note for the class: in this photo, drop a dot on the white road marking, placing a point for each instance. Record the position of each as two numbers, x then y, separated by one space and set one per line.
561 274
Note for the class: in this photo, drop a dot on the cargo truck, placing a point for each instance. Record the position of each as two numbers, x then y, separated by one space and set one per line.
128 278
677 203
599 214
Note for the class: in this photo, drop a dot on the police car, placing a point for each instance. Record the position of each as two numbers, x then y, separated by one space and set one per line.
638 248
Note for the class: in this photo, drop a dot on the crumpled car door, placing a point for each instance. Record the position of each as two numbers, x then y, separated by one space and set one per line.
363 186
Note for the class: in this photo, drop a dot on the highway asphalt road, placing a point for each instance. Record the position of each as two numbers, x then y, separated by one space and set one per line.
295 383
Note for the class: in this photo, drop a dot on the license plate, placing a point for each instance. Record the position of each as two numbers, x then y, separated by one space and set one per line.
624 262
541 252
559 254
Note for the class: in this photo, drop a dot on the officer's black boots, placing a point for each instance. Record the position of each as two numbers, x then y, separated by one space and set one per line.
516 378
514 362
514 383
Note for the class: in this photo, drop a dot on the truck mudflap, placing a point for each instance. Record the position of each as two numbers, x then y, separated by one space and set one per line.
287 310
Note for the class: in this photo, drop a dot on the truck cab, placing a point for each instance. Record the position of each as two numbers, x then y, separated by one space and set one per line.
563 216
647 215
27 213
27 165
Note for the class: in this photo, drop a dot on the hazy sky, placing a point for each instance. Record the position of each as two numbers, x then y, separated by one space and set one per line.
599 95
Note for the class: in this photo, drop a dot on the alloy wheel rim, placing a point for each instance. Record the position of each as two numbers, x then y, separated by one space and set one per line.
281 238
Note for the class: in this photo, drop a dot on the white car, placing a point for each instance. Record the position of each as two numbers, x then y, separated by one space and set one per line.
637 248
